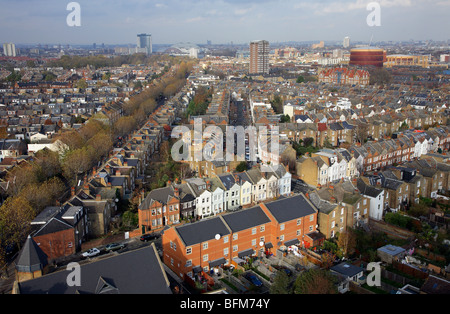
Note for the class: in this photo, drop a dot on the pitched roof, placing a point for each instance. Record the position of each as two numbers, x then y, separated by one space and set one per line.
31 258
202 231
108 275
347 269
246 219
290 208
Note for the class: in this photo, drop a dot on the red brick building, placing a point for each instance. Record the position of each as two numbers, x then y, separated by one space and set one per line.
230 238
161 207
59 231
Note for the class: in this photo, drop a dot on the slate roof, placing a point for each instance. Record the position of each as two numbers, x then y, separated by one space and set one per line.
286 209
227 180
347 269
31 258
202 231
108 275
246 219
366 189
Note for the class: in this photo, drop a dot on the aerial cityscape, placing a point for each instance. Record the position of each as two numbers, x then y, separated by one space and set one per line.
241 149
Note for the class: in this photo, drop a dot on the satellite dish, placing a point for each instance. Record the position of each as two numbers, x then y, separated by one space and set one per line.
217 236
261 243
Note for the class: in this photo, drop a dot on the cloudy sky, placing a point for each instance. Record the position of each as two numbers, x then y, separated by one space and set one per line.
221 21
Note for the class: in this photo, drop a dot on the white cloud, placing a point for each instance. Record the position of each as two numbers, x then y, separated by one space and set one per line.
346 6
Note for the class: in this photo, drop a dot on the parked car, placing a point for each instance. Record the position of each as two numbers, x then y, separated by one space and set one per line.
114 247
253 279
148 237
91 253
283 268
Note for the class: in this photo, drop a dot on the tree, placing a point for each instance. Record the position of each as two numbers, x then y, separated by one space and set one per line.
361 132
308 141
380 76
19 177
91 128
101 144
242 166
130 220
14 77
300 79
41 195
277 104
285 118
77 162
327 143
403 126
47 164
72 139
315 281
15 217
124 125
81 84
280 283
347 242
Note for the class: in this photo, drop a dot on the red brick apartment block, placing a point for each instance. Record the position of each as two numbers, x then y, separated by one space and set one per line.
209 243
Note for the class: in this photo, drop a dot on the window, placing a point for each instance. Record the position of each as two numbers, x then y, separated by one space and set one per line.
282 237
235 248
235 236
281 227
225 251
311 218
205 245
310 228
261 229
299 232
253 242
333 224
225 239
189 263
205 257
254 231
299 222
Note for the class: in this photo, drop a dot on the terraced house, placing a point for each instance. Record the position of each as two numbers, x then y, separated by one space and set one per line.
193 248
161 207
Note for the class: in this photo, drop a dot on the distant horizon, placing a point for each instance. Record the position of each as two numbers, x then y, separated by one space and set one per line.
352 42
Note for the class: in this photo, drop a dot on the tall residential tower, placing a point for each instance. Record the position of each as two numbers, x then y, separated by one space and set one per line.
144 43
259 57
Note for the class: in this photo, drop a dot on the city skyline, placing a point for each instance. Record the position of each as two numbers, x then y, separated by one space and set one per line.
222 21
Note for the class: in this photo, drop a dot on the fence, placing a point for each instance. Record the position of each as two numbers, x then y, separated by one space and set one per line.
391 230
411 271
395 277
